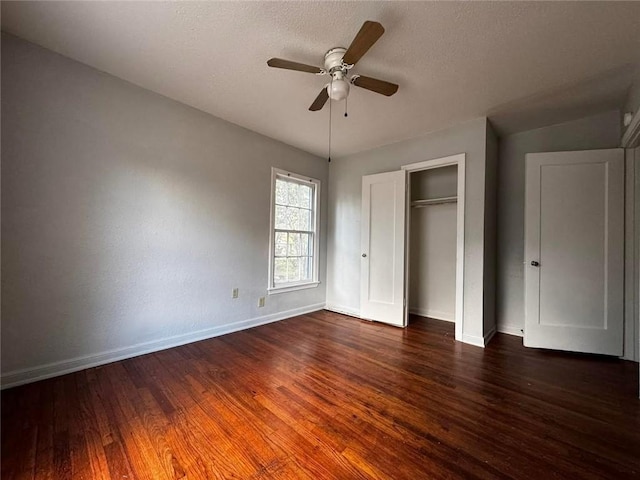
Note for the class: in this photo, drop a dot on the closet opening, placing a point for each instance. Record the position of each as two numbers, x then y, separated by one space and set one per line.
435 240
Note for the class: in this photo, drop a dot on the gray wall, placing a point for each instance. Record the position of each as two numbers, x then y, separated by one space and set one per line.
434 183
595 132
490 227
432 262
345 178
127 217
636 256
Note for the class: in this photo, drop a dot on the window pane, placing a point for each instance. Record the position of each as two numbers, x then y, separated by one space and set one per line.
304 219
280 270
305 196
305 268
292 218
294 194
294 245
295 214
281 217
287 218
281 192
293 269
281 244
304 244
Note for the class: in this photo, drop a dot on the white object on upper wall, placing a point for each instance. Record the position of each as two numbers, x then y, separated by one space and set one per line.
631 136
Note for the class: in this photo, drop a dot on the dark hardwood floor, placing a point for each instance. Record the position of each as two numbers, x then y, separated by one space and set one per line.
327 396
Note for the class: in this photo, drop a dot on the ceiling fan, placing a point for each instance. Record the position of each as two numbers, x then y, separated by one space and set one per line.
338 62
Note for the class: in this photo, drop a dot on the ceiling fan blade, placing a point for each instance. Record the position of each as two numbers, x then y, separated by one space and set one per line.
375 85
369 34
289 65
320 100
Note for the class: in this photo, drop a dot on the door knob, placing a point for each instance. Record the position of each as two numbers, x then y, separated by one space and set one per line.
364 255
534 263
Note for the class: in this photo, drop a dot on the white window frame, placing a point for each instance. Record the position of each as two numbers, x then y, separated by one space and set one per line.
292 286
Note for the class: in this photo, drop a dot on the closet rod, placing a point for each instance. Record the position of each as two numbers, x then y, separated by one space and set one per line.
433 201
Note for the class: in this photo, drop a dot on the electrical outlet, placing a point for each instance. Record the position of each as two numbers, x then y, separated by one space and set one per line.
261 302
234 293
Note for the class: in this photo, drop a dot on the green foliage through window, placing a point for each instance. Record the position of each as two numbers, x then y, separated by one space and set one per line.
294 231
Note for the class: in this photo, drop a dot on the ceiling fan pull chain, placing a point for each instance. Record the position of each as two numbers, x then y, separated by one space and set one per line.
330 103
345 107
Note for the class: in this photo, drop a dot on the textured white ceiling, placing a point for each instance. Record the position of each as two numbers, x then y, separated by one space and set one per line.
518 61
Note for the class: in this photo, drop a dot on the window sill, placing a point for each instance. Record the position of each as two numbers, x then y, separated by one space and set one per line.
291 288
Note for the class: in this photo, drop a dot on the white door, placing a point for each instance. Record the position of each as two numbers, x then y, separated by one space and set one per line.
574 231
382 276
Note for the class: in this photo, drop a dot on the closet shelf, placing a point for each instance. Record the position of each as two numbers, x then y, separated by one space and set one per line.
433 201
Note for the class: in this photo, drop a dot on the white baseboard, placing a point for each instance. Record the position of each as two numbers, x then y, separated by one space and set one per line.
28 375
510 330
489 335
352 312
479 341
423 312
473 340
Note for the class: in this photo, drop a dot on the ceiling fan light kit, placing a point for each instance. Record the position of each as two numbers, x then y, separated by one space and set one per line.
338 88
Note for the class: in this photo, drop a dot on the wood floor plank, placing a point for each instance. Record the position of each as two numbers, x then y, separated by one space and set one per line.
87 419
325 396
44 451
22 434
211 438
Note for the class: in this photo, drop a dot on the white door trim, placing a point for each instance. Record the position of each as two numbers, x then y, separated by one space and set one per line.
631 330
459 160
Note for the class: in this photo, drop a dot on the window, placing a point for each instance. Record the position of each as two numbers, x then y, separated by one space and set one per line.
293 255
